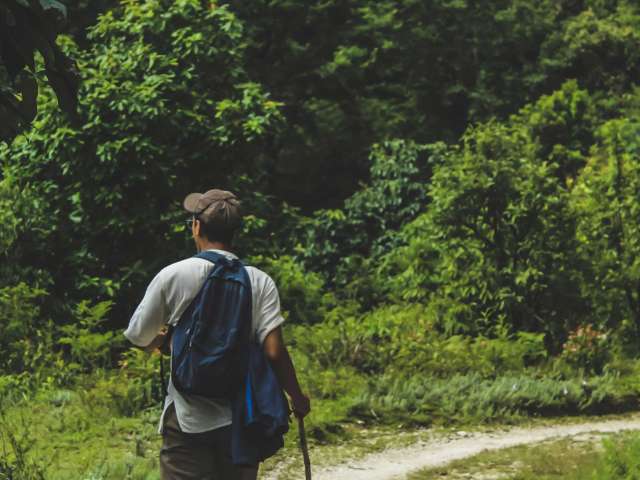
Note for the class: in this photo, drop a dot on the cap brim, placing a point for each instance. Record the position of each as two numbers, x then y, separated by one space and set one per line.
191 202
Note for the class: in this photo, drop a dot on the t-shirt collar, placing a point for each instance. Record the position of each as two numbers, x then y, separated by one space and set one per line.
222 252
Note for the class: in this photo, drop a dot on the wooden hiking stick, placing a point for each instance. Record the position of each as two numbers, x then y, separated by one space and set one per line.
305 449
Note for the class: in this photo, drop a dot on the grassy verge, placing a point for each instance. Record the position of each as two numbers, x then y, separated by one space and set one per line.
70 436
584 457
105 426
568 459
72 439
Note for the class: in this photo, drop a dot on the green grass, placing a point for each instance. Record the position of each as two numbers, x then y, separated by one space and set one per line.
566 459
588 457
105 427
87 432
70 436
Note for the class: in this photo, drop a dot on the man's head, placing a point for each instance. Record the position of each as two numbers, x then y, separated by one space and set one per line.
216 215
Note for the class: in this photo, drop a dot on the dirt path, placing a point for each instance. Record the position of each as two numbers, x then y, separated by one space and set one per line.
397 463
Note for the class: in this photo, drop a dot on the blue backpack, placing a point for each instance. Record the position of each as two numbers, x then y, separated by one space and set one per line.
210 343
212 356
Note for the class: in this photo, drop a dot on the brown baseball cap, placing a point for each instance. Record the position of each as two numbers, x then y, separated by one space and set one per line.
215 206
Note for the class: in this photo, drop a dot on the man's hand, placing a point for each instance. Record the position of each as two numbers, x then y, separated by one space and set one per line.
301 405
156 343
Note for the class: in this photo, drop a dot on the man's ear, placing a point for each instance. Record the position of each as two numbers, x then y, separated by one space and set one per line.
195 228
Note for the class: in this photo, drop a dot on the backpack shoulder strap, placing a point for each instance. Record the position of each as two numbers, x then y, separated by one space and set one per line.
213 257
231 269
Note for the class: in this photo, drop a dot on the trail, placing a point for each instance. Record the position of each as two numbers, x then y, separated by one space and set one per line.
396 463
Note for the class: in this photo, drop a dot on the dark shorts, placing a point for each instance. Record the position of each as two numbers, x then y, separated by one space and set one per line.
198 456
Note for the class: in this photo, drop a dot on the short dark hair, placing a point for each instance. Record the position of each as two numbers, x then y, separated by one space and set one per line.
217 231
219 213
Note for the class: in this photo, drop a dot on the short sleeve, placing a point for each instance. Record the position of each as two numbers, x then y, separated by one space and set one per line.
268 314
150 316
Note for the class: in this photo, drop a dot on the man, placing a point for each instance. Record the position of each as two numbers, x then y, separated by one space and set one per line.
196 430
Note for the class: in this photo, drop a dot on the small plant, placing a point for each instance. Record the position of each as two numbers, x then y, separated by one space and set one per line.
621 459
86 346
14 461
587 348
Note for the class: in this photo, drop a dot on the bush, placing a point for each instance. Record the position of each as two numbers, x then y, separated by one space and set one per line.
336 240
23 332
133 388
302 293
87 348
402 338
587 348
472 398
15 463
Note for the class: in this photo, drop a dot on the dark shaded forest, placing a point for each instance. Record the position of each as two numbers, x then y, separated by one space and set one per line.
446 193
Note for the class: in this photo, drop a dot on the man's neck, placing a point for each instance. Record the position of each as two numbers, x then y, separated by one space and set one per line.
207 245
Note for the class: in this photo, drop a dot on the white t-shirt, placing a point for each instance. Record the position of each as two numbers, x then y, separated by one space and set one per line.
167 297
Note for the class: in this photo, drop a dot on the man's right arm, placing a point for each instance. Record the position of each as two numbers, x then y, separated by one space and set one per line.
278 355
150 317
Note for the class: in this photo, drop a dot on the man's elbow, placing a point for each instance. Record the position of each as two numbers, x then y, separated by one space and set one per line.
274 346
274 353
137 341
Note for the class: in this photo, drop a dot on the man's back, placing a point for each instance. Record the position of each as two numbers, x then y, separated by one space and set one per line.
166 299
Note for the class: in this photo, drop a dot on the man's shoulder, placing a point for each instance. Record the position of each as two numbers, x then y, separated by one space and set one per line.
257 274
188 266
260 280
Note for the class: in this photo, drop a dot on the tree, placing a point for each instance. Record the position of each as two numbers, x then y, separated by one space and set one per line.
167 108
605 199
352 73
27 27
496 248
336 241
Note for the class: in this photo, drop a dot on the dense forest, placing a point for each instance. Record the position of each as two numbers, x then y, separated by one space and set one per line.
446 192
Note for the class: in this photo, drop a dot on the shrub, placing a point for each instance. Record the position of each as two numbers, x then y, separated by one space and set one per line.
136 386
588 348
402 338
472 398
367 223
15 463
87 347
21 326
302 293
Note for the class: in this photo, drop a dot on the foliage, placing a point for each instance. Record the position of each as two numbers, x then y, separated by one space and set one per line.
621 459
495 248
112 446
159 121
355 72
30 26
21 328
136 386
365 227
403 339
588 348
87 347
597 45
14 463
470 398
606 204
302 293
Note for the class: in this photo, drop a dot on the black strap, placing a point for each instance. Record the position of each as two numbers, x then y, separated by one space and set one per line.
162 380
